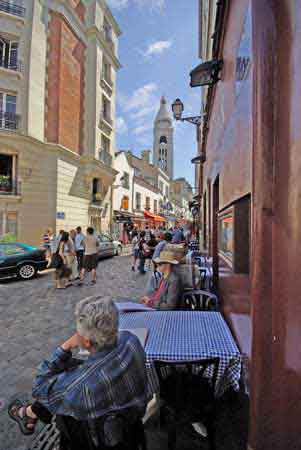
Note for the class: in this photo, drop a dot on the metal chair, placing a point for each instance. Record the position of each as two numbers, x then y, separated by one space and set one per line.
187 395
200 300
66 433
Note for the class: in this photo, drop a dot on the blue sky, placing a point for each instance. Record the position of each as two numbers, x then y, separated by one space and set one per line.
158 48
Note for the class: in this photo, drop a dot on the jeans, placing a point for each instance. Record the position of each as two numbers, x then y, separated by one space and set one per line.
80 259
141 264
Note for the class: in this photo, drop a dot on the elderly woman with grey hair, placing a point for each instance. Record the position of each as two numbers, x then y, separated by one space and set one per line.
112 378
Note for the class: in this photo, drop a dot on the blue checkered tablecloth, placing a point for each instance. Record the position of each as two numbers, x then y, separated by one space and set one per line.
188 335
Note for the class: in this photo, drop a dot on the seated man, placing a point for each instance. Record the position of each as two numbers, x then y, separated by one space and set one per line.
112 378
168 294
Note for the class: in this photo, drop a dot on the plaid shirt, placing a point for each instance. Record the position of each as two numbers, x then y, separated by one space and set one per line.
111 380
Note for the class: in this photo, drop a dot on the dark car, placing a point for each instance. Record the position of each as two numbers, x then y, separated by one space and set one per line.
21 260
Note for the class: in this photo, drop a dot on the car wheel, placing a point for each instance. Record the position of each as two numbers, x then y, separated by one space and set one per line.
27 271
118 250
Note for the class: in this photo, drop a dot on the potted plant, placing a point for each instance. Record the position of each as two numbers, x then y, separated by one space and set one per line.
5 183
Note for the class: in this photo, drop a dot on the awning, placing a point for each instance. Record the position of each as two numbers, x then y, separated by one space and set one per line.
153 217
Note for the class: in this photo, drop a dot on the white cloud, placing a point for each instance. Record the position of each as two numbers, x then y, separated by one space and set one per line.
121 126
157 48
118 4
143 128
143 112
140 98
152 4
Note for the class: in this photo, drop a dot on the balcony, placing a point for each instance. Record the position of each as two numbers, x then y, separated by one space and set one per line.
16 65
105 157
9 187
106 119
9 121
12 8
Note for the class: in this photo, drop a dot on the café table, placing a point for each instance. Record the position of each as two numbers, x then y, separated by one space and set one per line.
186 336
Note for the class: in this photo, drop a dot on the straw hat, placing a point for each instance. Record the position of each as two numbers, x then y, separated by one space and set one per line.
178 251
166 256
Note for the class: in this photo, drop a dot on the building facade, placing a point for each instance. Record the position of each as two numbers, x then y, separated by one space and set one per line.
250 200
58 65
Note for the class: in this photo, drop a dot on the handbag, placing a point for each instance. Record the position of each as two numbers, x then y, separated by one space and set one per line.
56 261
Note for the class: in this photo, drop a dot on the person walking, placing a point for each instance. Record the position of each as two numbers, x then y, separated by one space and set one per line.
91 244
47 244
79 247
135 242
71 256
62 271
144 252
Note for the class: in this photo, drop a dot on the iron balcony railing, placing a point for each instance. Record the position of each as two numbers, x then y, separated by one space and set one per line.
12 8
106 118
10 188
16 65
9 121
105 157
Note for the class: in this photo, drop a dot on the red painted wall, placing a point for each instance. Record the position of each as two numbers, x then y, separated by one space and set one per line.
229 156
65 86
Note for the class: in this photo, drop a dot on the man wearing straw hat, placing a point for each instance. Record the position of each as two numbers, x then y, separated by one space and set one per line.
168 295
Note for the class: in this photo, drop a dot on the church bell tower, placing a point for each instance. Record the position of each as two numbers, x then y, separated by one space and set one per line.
163 140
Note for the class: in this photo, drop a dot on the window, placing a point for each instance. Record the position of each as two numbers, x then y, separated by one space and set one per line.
8 54
125 203
105 152
147 203
107 71
137 172
163 140
8 107
96 190
155 206
234 235
125 180
6 173
138 201
107 30
9 224
106 109
161 186
12 249
166 191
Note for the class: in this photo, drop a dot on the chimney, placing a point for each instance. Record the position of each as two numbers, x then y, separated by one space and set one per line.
145 155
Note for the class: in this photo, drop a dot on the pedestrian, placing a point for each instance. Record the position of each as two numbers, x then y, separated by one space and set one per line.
143 252
47 243
79 247
91 244
135 242
63 272
71 257
147 233
178 236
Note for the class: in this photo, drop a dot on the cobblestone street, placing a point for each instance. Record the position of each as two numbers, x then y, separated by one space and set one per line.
35 318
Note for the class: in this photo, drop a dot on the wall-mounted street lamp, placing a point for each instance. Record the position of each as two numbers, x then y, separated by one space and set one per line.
178 108
206 74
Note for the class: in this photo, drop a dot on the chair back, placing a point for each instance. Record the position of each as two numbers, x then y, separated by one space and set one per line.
114 431
199 300
187 384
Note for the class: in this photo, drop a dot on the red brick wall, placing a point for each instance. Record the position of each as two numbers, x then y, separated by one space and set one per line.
79 9
65 86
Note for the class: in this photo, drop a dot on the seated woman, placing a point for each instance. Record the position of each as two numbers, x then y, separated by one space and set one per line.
168 294
88 389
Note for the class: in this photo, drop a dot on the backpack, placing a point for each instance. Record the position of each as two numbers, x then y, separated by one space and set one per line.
56 260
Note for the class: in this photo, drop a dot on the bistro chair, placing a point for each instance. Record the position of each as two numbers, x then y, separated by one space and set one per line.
187 395
199 300
66 433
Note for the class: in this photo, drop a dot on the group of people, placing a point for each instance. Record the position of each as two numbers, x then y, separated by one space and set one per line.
166 283
72 254
114 375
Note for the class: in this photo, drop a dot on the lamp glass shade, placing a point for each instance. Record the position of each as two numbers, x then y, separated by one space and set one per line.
177 109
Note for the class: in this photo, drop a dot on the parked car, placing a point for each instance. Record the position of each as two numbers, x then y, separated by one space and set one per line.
21 260
106 247
117 245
